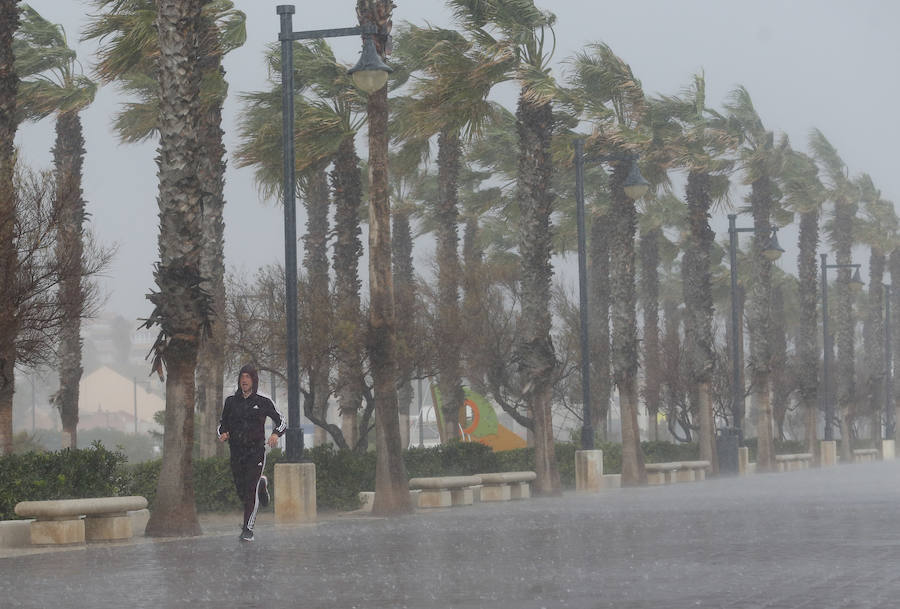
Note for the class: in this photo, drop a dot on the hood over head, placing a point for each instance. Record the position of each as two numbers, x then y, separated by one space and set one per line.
254 375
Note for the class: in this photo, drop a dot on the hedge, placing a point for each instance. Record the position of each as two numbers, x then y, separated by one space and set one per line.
340 475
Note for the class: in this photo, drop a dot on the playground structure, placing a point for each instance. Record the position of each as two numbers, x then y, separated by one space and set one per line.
477 422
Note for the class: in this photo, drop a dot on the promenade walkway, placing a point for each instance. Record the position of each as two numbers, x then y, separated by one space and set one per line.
821 538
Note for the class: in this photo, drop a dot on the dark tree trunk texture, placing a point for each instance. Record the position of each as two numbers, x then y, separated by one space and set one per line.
68 157
598 303
537 360
650 293
9 85
405 310
624 325
844 211
182 310
807 333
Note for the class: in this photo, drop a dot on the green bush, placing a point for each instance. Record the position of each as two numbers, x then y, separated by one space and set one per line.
67 474
782 447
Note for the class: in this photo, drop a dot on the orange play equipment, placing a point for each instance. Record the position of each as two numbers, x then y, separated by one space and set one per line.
478 422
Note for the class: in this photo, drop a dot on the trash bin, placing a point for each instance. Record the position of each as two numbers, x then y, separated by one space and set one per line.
727 442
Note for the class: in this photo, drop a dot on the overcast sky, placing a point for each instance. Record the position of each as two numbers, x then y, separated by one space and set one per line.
828 64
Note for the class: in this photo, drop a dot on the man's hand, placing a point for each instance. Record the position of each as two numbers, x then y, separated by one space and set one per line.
223 437
273 440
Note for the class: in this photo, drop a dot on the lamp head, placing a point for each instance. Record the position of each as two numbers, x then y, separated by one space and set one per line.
856 283
370 73
635 184
773 250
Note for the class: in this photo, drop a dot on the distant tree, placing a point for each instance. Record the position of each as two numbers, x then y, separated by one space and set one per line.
52 85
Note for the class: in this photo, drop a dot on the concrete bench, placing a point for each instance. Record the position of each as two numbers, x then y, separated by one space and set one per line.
503 486
789 463
445 491
676 471
68 521
865 455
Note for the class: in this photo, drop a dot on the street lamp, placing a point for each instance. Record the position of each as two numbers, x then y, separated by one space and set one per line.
772 252
635 187
366 73
855 282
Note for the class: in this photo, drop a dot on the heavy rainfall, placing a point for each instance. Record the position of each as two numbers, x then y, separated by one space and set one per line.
540 306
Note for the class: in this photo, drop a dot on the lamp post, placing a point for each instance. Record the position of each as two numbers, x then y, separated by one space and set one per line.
369 74
826 337
635 187
772 252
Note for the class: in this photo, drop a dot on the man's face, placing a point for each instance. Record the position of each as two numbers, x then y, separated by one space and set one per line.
246 383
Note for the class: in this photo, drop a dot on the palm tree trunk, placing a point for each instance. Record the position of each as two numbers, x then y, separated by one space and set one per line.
781 386
537 360
598 284
211 358
404 306
391 482
315 260
760 324
624 324
699 307
9 22
873 343
347 188
844 212
182 308
448 326
650 293
68 155
807 344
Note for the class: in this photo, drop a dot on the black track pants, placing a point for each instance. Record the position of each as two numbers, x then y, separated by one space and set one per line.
247 466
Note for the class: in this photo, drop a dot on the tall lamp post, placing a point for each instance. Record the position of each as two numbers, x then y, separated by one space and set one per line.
826 337
635 188
369 74
772 251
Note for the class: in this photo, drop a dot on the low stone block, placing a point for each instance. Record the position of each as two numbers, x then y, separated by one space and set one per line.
107 528
295 493
612 480
588 470
887 450
743 460
519 490
827 453
495 492
57 532
15 533
139 519
435 498
461 496
656 478
685 475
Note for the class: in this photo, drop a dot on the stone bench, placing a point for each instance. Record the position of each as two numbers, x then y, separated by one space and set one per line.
445 491
69 521
676 471
503 486
865 455
792 462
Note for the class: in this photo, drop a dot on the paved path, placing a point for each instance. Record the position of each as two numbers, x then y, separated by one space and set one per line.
813 539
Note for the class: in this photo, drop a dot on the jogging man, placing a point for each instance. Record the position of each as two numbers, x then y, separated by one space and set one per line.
243 424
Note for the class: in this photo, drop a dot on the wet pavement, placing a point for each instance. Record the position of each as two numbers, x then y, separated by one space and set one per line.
809 539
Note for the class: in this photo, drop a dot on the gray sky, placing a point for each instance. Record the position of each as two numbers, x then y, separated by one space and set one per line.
829 64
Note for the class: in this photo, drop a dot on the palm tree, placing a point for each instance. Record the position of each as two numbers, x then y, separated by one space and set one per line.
695 140
805 195
658 213
329 112
877 229
522 51
449 100
391 483
613 100
182 307
844 196
128 56
9 22
59 88
762 160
